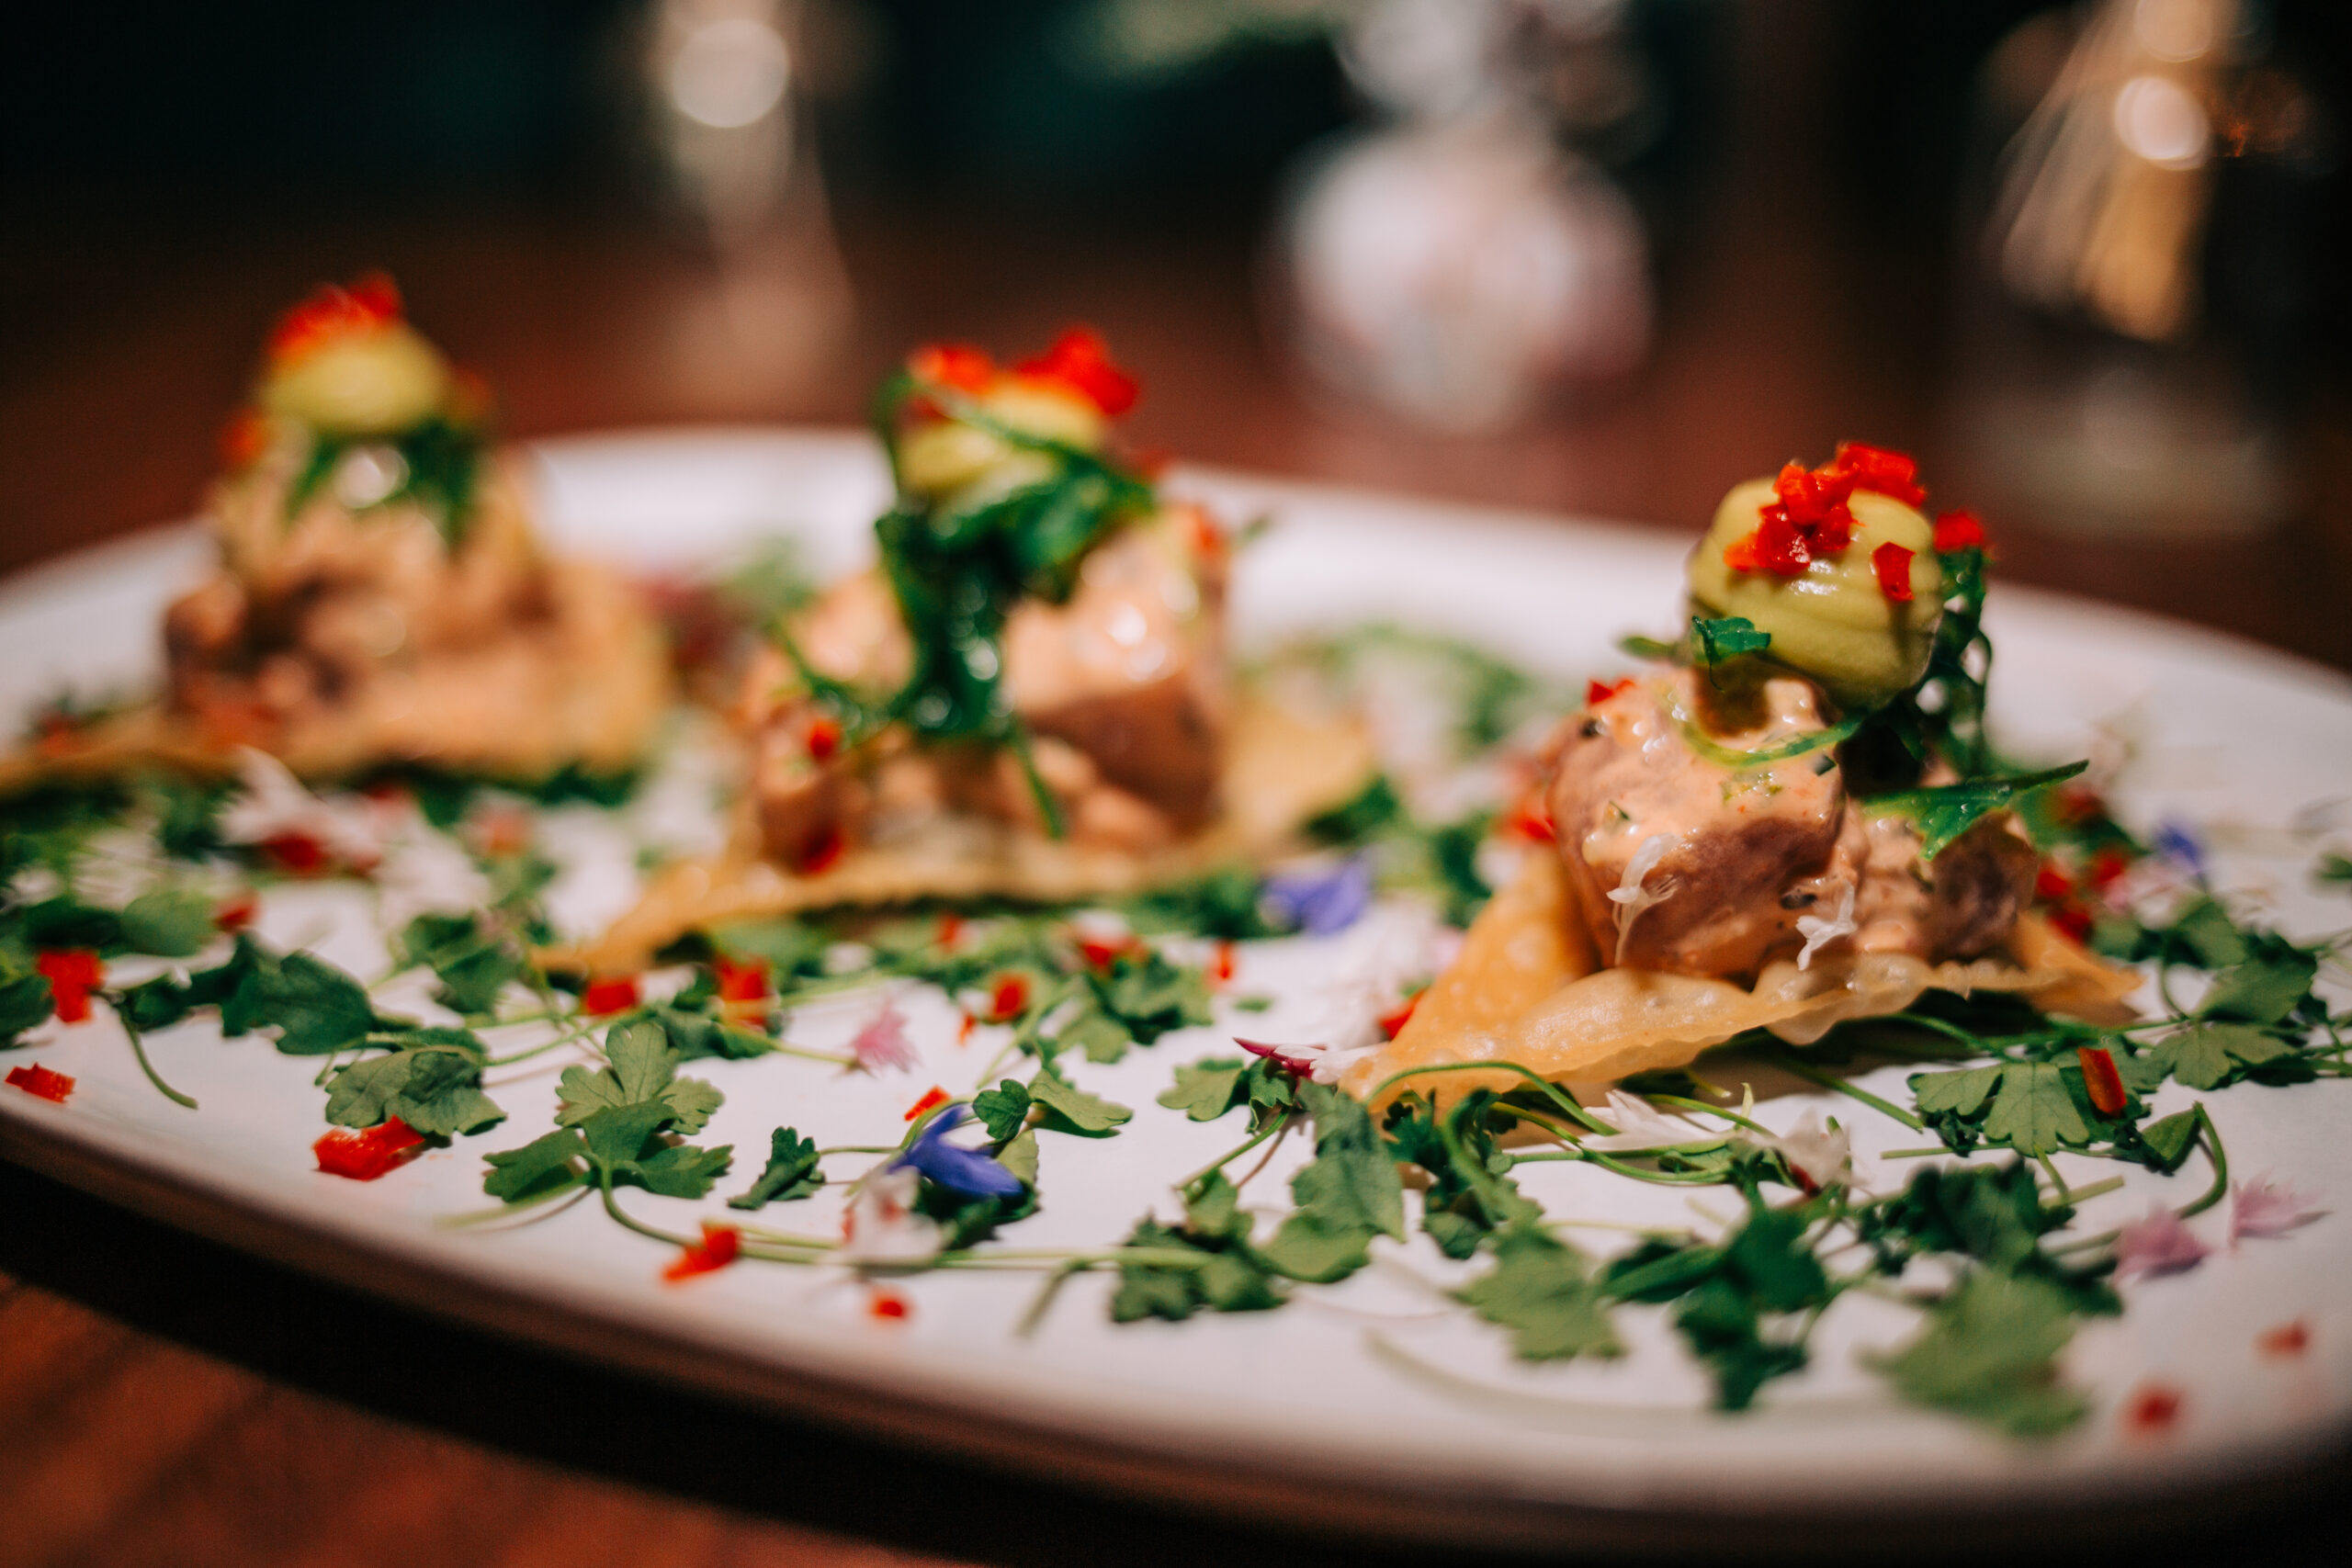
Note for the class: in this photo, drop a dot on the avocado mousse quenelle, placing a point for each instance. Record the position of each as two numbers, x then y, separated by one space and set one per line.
1792 817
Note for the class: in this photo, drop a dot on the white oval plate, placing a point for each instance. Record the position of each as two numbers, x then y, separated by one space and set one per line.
1362 1404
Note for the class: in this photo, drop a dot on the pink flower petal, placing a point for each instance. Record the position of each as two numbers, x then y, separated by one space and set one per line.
883 1041
2159 1243
2264 1207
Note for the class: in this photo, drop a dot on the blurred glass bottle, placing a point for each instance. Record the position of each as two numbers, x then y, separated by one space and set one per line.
2129 354
1459 266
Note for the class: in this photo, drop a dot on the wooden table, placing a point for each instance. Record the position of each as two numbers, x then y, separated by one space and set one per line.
164 1399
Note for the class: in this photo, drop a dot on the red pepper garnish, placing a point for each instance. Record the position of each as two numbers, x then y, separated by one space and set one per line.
1392 1023
1209 542
2287 1340
72 974
1007 997
934 1096
2154 1409
365 1155
1810 516
1893 564
823 850
746 981
951 931
1889 473
370 304
824 739
715 1251
236 912
1598 692
1532 822
244 438
1079 360
889 1306
1099 953
964 1030
2053 883
296 854
615 993
2108 868
501 831
956 364
2074 921
38 1080
1957 531
1221 967
2101 1081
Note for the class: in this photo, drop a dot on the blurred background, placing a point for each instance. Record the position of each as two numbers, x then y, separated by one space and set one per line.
2087 260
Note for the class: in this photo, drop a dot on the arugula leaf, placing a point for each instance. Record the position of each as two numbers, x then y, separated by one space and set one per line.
1989 1353
791 1172
1716 641
1945 813
1542 1292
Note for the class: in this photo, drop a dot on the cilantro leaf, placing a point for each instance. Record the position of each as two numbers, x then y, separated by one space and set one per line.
319 1009
1728 637
542 1166
1541 1291
1352 1181
1946 812
169 923
1989 1353
1002 1110
791 1172
25 1004
435 1089
643 1072
473 960
2033 1113
1149 995
1203 1092
1071 1109
1218 1270
2205 1055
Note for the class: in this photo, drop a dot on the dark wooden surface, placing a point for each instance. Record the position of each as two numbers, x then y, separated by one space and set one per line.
164 1400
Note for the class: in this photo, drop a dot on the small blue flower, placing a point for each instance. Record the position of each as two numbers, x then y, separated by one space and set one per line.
2176 842
1322 900
966 1172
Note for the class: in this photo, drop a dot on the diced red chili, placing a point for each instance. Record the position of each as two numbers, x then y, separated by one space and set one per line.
370 304
38 1080
1393 1022
1080 361
1209 542
2154 1408
244 438
365 1155
2289 1339
1775 547
2053 883
613 993
296 854
1222 966
1958 531
951 929
824 739
964 1030
1532 822
236 912
2108 867
1007 997
72 974
933 1097
1099 953
2074 921
716 1250
956 364
1888 473
889 1306
745 980
1598 692
823 850
1893 564
2101 1081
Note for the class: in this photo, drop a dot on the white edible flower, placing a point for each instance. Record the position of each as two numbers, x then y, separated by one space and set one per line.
1631 897
1820 1155
1819 933
275 804
1640 1126
881 1226
881 1042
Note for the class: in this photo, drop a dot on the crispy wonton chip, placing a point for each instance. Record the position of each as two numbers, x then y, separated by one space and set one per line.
1280 770
1521 991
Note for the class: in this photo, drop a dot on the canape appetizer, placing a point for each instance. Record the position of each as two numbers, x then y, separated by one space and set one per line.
381 598
1794 818
1027 695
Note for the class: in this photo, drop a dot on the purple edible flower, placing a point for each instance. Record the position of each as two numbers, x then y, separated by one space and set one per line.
2159 1243
966 1172
2264 1207
2178 843
1321 901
